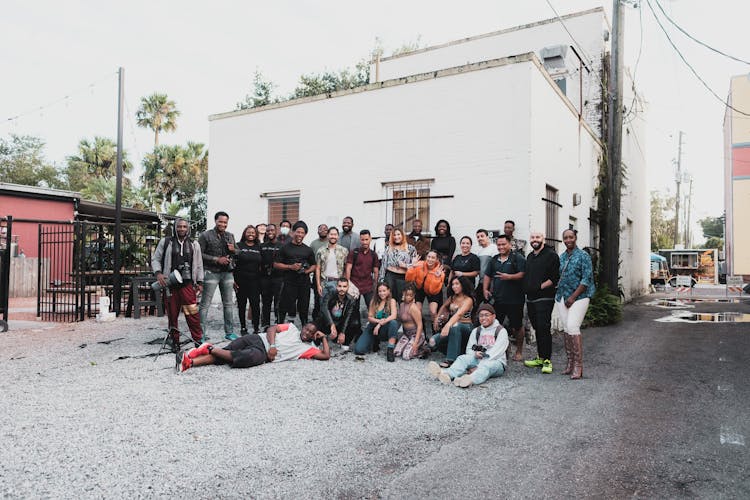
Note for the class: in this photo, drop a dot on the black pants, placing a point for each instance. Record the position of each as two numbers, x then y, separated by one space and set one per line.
247 351
248 289
270 289
397 282
351 332
540 314
316 302
295 297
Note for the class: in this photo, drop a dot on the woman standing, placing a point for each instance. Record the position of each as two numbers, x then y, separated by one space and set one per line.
574 290
410 316
465 264
443 242
382 324
247 277
457 329
397 258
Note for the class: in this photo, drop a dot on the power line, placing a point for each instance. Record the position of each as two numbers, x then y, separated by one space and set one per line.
695 39
64 98
692 70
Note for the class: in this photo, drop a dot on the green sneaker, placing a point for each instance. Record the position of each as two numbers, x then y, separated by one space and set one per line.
547 366
534 363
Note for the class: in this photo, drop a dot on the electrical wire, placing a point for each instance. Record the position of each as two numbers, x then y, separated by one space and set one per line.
673 23
64 98
690 67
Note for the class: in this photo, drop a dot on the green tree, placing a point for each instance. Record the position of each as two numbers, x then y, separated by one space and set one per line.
176 174
328 81
713 227
662 220
262 93
22 162
407 47
96 159
158 113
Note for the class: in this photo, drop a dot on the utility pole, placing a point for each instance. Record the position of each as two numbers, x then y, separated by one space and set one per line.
614 151
116 277
688 237
678 179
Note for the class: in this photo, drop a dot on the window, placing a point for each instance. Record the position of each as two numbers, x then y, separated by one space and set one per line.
410 201
551 217
593 230
630 235
572 223
283 208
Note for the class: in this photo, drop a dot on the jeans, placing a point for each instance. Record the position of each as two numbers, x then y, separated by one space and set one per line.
457 338
572 316
540 314
484 369
225 282
387 331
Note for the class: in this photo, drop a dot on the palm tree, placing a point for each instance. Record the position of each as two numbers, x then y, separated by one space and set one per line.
158 113
96 159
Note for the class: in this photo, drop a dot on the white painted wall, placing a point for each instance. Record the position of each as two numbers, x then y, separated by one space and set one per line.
587 29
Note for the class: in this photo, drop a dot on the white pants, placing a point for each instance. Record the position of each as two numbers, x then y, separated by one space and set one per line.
572 317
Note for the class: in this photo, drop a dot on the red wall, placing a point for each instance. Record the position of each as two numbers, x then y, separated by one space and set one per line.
29 208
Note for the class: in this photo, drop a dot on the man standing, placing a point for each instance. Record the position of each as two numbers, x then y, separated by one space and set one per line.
516 245
485 251
297 261
330 263
348 240
285 228
540 280
504 283
182 254
362 267
271 278
381 243
219 249
317 244
419 241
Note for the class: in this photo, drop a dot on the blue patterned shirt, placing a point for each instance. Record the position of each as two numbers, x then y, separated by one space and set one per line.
578 271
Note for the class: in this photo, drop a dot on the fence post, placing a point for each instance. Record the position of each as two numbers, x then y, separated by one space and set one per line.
81 230
5 266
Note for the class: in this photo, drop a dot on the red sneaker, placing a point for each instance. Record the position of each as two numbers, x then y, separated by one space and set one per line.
201 350
186 363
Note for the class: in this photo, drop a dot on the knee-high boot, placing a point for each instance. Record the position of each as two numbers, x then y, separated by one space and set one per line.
576 342
569 352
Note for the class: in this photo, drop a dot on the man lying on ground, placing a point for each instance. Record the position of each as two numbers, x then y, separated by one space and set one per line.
280 343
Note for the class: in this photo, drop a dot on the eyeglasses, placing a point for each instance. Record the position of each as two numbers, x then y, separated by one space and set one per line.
484 315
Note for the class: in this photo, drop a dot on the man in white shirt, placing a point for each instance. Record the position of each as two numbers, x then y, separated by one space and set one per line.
331 261
279 343
485 251
485 354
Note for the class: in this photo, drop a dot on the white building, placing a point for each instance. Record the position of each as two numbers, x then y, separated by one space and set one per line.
476 131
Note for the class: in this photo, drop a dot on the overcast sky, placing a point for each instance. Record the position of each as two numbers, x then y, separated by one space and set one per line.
203 55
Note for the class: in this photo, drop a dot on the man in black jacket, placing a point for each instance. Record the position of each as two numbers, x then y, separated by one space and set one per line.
339 315
540 280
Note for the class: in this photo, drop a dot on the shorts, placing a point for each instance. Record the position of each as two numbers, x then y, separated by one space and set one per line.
514 312
247 351
421 295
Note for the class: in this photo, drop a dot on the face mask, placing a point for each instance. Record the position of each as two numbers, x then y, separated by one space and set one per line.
284 230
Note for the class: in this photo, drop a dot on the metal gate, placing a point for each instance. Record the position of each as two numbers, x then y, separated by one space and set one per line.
76 266
6 232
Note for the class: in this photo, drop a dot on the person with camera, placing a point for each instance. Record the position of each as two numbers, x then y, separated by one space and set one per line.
279 343
339 314
247 278
484 357
297 262
182 254
219 251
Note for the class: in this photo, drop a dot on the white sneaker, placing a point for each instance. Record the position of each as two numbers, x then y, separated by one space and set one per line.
433 369
444 377
345 348
463 381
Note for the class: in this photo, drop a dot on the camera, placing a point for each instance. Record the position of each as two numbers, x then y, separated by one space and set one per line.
479 348
304 268
185 272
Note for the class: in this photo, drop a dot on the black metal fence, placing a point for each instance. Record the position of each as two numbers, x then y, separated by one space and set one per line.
6 230
76 266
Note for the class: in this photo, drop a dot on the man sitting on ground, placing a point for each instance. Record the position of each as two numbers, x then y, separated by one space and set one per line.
485 354
280 343
339 315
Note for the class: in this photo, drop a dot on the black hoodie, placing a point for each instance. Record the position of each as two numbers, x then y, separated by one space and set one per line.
539 268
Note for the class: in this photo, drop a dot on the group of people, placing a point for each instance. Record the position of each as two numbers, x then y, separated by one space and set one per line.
470 294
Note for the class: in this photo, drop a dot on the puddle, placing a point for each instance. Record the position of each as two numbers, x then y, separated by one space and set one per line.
670 304
722 317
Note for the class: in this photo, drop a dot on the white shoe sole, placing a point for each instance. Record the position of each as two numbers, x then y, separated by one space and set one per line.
433 369
444 378
463 381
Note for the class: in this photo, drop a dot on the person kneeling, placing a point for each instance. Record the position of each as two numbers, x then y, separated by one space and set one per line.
280 343
485 353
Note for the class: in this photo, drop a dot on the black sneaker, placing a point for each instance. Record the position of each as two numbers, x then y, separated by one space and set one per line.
376 345
243 331
390 357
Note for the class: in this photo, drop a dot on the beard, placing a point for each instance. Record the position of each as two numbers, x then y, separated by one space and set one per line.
536 245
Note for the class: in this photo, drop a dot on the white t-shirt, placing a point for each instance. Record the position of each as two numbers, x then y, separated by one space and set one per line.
485 255
289 345
332 269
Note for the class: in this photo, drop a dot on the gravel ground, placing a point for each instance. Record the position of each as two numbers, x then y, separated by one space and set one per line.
89 413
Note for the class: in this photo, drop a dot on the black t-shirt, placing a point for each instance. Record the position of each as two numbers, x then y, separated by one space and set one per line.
248 260
507 291
182 253
291 254
269 251
465 263
446 246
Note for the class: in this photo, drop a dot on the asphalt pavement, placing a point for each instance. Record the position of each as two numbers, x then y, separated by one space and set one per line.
661 413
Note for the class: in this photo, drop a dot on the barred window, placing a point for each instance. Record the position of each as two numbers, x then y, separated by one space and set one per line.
410 201
283 208
552 207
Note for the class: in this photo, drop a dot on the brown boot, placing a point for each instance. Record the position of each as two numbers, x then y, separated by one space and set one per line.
519 345
576 344
568 351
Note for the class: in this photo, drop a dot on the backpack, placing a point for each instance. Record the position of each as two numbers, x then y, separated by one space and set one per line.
497 332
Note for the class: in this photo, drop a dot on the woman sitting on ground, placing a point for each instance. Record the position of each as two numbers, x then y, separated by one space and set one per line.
382 324
410 317
456 330
428 276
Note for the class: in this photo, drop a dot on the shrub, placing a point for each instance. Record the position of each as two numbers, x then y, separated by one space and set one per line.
605 308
